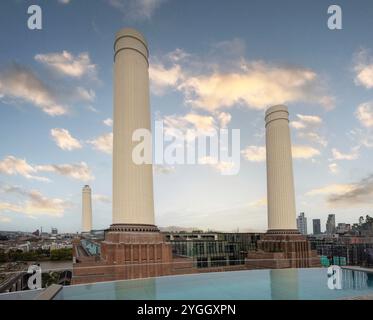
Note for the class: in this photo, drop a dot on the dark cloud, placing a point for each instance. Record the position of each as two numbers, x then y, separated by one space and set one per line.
361 193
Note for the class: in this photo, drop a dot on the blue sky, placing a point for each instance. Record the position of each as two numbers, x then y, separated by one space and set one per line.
212 63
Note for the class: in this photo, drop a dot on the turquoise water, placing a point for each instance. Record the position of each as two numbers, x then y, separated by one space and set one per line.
304 284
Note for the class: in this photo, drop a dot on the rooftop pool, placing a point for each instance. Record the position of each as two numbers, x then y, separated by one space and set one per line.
280 284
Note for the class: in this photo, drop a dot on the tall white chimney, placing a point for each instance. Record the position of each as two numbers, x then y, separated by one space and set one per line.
132 184
86 209
280 181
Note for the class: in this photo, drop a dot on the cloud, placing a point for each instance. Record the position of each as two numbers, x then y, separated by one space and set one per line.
360 193
304 152
306 121
64 140
21 83
261 85
356 194
178 55
162 79
136 9
333 168
223 167
160 169
211 85
254 153
66 64
229 49
103 143
224 119
92 108
364 114
258 153
4 219
362 137
331 189
79 171
353 155
363 67
190 121
11 165
307 127
313 137
262 202
108 122
297 125
101 198
192 124
35 204
83 94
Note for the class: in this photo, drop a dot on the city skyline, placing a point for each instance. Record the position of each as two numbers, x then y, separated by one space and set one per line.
60 95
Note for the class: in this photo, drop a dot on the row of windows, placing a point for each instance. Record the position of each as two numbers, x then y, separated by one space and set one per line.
190 248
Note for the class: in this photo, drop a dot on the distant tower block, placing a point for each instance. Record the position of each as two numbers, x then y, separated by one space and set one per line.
132 184
280 181
87 209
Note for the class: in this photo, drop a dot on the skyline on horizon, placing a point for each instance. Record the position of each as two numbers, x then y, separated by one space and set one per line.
58 90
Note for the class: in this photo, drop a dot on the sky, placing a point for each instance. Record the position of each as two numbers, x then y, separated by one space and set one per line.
213 64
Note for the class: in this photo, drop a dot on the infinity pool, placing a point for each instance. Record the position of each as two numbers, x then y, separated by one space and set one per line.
294 284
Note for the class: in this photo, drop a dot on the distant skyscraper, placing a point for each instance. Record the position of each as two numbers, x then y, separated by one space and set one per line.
316 226
330 224
87 209
54 231
302 223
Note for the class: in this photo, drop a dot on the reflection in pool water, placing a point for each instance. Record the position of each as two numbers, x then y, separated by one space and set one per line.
289 284
281 280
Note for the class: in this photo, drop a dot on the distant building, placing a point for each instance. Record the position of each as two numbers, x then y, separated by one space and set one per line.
213 249
343 228
316 223
25 247
302 223
344 250
44 235
54 231
330 224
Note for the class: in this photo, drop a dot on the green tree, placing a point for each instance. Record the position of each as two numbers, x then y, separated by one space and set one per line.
61 254
361 220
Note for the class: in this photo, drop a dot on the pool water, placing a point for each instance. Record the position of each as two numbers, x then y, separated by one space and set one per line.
293 284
